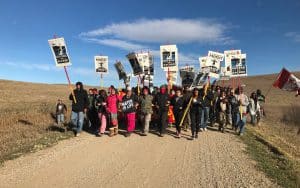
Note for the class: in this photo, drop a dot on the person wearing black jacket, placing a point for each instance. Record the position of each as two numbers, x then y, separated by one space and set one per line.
207 101
187 94
195 112
161 101
177 103
79 107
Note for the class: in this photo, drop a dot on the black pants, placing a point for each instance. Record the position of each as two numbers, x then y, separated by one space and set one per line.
195 119
163 121
178 116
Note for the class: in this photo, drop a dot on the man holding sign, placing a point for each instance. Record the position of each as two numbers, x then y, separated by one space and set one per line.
79 107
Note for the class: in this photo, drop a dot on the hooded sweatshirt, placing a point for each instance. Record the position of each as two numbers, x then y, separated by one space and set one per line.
82 100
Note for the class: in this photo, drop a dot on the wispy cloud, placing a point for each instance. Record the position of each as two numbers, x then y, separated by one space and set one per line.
295 36
126 35
117 43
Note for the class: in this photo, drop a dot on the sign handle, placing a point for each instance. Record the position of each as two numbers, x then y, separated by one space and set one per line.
70 86
101 81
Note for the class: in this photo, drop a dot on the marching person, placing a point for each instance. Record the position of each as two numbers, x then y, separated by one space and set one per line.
222 108
161 101
207 100
187 94
112 103
177 103
254 109
102 114
61 109
146 110
195 112
243 104
129 105
234 107
79 107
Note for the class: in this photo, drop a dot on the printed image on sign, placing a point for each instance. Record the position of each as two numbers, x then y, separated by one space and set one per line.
187 75
148 80
229 54
168 56
101 64
238 65
200 80
210 65
60 52
223 75
121 71
135 65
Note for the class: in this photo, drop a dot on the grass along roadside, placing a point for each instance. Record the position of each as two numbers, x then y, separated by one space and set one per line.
271 160
49 139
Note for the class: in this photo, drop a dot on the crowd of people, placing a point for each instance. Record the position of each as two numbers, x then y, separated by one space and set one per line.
185 108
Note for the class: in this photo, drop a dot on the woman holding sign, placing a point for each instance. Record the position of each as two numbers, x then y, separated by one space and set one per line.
129 105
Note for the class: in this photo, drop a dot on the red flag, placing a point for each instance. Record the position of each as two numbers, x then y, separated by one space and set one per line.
287 81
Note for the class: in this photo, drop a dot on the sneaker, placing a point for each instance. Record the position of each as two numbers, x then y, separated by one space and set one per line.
77 134
201 129
205 129
143 134
241 134
196 136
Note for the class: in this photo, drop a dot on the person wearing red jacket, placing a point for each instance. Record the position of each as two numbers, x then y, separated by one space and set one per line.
112 103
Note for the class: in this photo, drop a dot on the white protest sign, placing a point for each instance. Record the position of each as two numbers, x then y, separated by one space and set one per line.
210 65
101 64
169 57
216 56
172 75
60 52
229 54
238 65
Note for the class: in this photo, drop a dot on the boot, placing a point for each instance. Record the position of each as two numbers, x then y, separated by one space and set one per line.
116 131
111 132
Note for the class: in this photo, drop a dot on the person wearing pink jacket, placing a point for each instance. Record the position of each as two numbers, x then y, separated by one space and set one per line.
112 102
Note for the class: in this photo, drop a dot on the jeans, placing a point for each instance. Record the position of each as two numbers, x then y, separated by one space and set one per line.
146 118
242 124
204 117
235 119
77 120
60 118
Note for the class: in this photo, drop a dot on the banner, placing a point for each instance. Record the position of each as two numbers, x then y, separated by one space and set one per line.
169 57
60 52
223 75
210 65
287 81
135 65
200 80
148 80
187 75
121 71
101 64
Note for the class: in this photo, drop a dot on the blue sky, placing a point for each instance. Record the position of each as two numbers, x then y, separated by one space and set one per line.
268 31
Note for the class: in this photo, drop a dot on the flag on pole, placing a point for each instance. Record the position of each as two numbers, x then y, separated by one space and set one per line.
287 81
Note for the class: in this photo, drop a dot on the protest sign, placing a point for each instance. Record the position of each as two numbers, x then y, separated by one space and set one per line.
169 57
101 64
121 71
135 64
60 52
187 75
210 65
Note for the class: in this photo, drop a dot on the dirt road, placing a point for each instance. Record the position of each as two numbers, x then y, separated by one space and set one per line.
213 160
